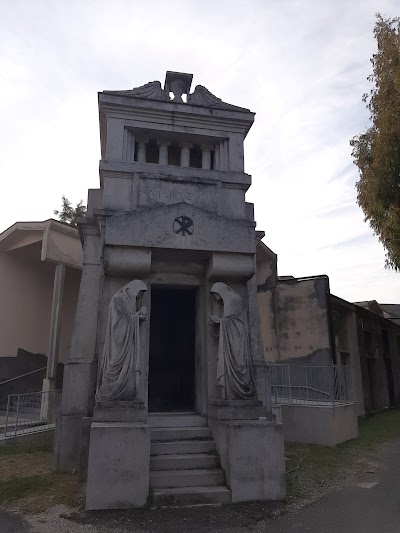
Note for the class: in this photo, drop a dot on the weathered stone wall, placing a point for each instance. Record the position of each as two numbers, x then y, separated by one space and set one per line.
303 321
267 302
375 363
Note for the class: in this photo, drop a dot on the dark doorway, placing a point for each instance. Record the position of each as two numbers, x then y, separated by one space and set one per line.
390 383
172 349
371 369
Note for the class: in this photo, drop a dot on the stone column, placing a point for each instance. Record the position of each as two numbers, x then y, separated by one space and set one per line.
225 147
216 158
206 157
185 155
221 156
141 153
163 153
80 370
54 340
48 411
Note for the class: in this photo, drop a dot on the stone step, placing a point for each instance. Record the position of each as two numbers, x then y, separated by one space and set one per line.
182 446
192 496
180 433
174 420
186 478
183 462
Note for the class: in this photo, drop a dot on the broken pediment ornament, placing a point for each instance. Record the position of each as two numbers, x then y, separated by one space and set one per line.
178 84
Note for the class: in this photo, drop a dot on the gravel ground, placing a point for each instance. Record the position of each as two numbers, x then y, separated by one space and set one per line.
219 519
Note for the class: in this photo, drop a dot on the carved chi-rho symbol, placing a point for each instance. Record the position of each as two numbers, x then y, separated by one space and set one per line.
183 226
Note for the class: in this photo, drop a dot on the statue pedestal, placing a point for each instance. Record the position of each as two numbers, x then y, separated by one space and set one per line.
119 456
251 448
237 410
133 411
252 457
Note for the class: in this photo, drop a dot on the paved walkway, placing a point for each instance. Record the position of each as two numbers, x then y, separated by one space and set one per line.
370 505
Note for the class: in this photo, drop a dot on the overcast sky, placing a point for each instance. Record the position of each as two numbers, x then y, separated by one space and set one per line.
301 65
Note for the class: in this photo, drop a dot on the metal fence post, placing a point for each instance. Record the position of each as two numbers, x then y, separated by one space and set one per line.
333 381
16 420
307 383
8 410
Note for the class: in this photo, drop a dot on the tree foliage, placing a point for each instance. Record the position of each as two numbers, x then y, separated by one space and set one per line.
377 151
68 213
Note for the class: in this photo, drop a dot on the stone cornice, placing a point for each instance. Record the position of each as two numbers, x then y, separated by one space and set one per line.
180 114
127 169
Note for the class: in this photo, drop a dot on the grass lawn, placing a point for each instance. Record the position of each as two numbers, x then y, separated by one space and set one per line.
312 470
26 477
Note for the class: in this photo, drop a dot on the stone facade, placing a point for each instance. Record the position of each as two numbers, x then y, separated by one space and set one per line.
170 213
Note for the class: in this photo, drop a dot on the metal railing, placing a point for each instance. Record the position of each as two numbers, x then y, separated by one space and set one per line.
23 375
31 412
311 384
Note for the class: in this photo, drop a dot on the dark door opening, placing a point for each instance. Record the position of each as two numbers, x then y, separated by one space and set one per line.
172 349
390 382
371 369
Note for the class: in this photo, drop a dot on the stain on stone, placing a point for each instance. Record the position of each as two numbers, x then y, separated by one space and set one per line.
321 288
268 284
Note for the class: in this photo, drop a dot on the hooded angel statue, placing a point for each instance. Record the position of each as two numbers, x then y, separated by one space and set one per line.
234 369
120 366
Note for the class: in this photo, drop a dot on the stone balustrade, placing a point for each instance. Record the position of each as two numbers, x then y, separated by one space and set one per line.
184 154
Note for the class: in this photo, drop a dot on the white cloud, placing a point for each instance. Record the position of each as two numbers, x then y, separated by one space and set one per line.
300 64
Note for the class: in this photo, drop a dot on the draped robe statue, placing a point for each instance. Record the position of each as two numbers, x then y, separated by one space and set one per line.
121 364
234 368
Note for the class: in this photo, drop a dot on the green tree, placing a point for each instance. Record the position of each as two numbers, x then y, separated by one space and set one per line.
68 213
377 151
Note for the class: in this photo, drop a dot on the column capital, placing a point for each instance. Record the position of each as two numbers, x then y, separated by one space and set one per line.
186 145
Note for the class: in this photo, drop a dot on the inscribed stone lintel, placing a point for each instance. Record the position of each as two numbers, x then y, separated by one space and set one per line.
153 192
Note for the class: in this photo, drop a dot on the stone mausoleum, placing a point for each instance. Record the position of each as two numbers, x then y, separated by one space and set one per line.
165 390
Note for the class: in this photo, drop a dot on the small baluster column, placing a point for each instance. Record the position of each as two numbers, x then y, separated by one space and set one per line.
206 157
216 158
185 154
225 147
141 153
163 152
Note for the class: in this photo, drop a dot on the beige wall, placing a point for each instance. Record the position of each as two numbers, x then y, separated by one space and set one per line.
26 288
25 306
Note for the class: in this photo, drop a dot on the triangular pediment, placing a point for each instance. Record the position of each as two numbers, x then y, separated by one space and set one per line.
180 226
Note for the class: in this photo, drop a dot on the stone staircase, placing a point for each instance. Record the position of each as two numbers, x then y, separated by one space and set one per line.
184 464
